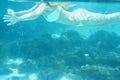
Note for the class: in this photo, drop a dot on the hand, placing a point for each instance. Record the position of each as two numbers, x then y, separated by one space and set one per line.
10 19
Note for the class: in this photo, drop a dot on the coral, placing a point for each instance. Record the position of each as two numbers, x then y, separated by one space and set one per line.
96 58
101 72
105 40
68 40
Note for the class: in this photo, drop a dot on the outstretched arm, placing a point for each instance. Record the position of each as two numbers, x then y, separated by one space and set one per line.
19 13
12 19
34 14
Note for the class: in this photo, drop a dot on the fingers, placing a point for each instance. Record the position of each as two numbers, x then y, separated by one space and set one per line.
9 24
10 19
6 20
6 17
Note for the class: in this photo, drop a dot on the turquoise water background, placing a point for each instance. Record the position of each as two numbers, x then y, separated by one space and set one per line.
41 50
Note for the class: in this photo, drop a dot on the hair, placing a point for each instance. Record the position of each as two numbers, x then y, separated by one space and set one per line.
65 5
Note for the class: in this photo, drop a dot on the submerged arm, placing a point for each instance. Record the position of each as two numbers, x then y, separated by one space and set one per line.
34 14
13 19
19 13
27 11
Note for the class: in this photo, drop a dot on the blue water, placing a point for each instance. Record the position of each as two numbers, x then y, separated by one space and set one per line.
41 50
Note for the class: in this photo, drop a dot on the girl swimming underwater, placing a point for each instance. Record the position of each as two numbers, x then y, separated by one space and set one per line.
79 17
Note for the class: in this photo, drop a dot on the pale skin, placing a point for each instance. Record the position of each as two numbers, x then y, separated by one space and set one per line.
79 17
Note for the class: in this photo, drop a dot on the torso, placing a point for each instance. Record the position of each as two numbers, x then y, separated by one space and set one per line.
65 17
48 10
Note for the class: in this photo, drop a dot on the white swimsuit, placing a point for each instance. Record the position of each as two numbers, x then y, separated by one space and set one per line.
53 16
